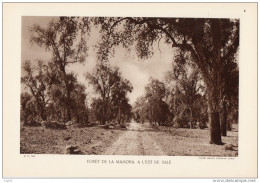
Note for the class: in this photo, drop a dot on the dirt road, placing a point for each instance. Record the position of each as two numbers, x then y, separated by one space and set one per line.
138 139
135 141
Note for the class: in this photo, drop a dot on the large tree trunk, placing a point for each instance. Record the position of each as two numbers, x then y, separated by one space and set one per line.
68 97
228 126
213 85
68 114
43 115
214 120
68 107
210 69
119 114
191 118
41 112
224 120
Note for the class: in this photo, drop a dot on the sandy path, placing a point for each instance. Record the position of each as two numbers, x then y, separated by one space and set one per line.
135 141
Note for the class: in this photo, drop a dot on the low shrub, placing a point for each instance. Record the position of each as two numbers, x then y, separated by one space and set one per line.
54 125
32 124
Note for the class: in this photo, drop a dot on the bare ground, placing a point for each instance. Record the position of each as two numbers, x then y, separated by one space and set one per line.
92 140
138 139
135 141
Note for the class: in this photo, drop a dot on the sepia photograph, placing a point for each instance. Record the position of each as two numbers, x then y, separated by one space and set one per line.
129 86
129 90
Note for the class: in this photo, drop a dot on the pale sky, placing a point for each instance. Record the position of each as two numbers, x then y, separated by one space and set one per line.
137 71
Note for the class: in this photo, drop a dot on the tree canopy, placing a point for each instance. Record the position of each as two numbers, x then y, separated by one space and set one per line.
112 89
204 73
209 42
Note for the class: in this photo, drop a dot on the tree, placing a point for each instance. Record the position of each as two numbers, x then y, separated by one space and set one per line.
229 92
187 86
36 80
113 89
139 110
120 103
65 39
96 110
26 111
208 41
102 80
158 110
78 104
59 100
184 92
